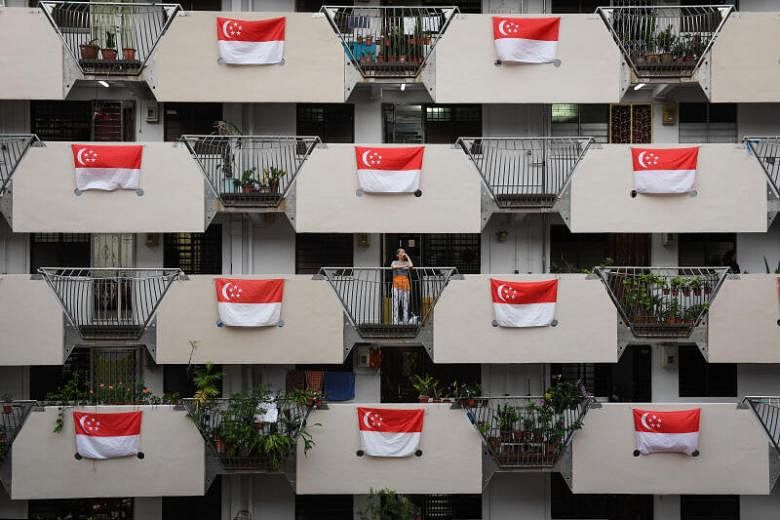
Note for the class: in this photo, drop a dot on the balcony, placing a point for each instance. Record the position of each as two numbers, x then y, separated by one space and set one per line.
109 39
34 54
43 199
666 44
523 174
731 442
311 332
522 434
466 70
388 44
662 304
12 417
185 67
12 149
109 306
449 447
249 173
746 307
464 318
730 195
327 198
233 448
44 466
379 309
766 150
767 411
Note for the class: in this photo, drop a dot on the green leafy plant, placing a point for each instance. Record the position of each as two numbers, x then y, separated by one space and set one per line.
386 504
766 266
110 40
206 380
425 386
506 416
666 40
271 177
248 181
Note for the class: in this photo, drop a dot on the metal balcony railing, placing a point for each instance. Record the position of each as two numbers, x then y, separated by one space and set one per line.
250 171
665 41
109 303
110 37
380 305
12 417
767 410
389 42
662 302
767 151
520 433
12 149
234 430
525 172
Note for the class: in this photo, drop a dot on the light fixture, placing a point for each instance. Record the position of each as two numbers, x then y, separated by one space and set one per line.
639 86
403 87
104 83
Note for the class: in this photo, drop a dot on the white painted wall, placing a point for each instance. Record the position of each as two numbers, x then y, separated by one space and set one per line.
523 251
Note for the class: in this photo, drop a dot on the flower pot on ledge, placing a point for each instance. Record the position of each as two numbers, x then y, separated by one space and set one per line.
108 54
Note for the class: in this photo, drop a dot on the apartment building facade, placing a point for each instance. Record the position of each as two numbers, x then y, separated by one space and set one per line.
249 172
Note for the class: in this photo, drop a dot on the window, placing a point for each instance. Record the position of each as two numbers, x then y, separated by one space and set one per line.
205 507
709 507
465 6
333 123
571 120
697 378
315 250
574 252
461 250
630 124
195 253
566 505
190 118
435 124
83 120
59 250
708 123
705 249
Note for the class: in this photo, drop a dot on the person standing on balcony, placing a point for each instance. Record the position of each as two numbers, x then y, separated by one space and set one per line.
402 285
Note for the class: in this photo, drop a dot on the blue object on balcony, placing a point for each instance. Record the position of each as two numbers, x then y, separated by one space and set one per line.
339 386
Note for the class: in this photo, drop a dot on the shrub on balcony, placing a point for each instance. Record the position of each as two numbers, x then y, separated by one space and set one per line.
386 504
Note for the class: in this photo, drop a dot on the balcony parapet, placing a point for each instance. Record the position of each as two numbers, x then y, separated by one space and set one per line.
662 304
380 308
666 44
109 305
523 174
109 38
248 172
238 430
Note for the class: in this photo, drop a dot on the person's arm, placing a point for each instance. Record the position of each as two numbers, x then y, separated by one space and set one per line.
411 265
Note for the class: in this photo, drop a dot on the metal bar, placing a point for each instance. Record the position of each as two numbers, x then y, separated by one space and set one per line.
12 150
767 151
13 414
767 410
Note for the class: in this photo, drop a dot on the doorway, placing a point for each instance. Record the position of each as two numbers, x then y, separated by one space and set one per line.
460 250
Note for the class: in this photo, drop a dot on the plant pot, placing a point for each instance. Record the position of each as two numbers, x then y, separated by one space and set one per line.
423 399
89 52
667 58
402 58
675 292
494 443
665 290
247 189
469 403
707 290
697 292
218 445
108 54
8 408
128 54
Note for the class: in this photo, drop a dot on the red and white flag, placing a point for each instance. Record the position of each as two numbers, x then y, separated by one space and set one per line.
107 435
526 40
524 304
250 42
249 303
664 170
387 432
667 432
389 170
107 167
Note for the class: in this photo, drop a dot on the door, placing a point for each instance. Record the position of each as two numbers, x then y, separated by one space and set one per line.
630 124
400 364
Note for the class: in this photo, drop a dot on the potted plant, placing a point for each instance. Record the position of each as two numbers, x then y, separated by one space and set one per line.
506 416
676 282
386 504
89 50
109 51
696 284
686 286
247 183
665 41
271 176
467 395
426 387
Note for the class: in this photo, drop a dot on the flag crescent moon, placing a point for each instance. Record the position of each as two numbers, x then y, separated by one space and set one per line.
82 421
643 420
501 28
364 158
498 292
225 29
366 418
641 159
79 158
225 290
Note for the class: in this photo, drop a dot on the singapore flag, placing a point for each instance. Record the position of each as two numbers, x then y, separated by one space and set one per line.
526 40
524 304
665 170
249 303
389 170
667 432
107 167
250 42
107 435
389 432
